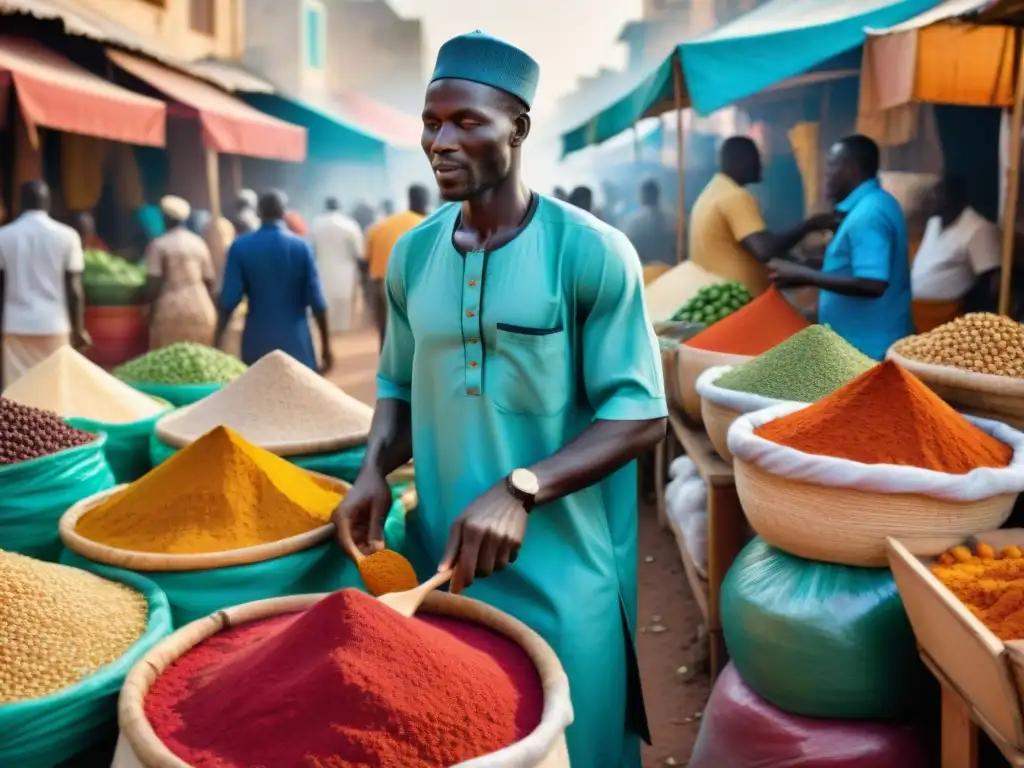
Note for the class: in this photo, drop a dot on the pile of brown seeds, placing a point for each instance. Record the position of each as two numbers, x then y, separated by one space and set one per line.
27 433
979 342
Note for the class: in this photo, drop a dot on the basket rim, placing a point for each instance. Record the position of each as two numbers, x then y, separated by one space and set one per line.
831 471
146 562
950 376
556 714
734 399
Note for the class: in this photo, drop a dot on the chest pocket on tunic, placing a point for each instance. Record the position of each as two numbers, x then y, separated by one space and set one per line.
530 370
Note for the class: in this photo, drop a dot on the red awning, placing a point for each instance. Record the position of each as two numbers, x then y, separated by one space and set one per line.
394 126
55 93
229 125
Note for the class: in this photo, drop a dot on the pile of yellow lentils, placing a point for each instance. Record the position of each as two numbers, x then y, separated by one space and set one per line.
990 584
58 625
979 342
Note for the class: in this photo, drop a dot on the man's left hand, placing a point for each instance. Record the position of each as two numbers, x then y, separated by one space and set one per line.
786 274
81 340
486 537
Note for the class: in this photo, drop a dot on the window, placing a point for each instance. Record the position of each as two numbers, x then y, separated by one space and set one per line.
203 16
315 32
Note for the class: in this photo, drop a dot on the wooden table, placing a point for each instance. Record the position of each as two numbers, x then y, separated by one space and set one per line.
960 725
727 526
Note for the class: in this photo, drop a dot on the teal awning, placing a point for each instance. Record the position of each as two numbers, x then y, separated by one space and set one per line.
330 138
762 48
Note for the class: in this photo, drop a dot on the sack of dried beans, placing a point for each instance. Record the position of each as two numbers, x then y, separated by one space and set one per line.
881 456
68 639
46 466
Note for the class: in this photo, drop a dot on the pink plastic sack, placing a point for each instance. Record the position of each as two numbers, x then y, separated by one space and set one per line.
742 730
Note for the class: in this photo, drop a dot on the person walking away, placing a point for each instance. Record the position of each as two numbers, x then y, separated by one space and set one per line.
380 241
521 370
959 246
582 198
387 208
651 230
219 235
364 215
84 224
865 278
338 247
181 281
728 236
245 219
275 270
42 302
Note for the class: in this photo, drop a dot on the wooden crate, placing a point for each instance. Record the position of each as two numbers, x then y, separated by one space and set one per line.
987 672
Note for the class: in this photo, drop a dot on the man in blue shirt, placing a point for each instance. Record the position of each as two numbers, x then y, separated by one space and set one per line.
865 278
276 271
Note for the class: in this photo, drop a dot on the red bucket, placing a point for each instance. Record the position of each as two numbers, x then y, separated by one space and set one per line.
118 334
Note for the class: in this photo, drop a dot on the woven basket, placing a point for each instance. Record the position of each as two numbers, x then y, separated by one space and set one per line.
998 396
148 561
717 420
841 511
140 747
692 363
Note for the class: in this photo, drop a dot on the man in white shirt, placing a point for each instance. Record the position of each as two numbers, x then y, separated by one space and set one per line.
959 246
42 303
338 247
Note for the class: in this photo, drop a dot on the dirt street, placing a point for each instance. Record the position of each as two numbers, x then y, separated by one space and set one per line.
668 616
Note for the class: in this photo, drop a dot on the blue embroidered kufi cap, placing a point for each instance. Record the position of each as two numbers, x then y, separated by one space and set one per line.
484 59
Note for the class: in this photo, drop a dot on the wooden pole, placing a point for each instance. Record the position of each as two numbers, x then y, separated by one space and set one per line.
213 182
1012 185
677 81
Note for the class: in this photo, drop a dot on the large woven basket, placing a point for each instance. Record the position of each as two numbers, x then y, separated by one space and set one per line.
720 407
841 511
692 363
717 420
1001 397
148 561
140 747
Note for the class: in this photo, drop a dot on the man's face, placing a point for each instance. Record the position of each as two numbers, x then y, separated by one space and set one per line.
838 174
467 136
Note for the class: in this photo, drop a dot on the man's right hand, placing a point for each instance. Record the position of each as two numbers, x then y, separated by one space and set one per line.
81 340
361 515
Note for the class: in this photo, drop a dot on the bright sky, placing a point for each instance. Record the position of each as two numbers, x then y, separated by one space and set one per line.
568 38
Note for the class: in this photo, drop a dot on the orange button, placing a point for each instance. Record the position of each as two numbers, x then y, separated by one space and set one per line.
470 313
472 363
472 283
472 391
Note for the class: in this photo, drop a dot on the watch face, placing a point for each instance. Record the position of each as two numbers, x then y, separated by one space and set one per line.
525 481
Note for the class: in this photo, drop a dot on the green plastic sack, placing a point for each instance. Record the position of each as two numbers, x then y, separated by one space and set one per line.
34 494
40 733
178 395
195 594
127 446
819 639
343 465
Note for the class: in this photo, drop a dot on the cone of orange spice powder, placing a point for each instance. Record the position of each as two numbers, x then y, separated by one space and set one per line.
887 416
755 328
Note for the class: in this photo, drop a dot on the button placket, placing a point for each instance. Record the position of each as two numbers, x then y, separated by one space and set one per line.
472 331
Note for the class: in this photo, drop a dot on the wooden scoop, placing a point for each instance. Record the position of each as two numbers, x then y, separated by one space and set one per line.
408 602
394 574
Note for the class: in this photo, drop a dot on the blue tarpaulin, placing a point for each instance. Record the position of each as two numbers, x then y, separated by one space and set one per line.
778 40
330 138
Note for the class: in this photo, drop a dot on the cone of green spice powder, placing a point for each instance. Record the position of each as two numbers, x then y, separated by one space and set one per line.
806 367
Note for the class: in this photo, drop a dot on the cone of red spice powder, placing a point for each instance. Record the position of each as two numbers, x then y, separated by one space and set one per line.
347 683
753 329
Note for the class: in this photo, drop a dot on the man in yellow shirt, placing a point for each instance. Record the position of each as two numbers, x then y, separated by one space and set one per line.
380 239
728 235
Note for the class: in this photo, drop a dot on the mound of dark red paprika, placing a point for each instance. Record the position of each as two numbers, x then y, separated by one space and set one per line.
347 683
28 433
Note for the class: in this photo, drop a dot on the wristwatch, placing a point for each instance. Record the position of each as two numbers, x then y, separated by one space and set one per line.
523 485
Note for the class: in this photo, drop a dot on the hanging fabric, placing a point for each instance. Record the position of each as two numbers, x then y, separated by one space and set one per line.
127 178
81 170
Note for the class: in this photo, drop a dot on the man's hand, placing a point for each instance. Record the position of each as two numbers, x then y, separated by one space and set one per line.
486 537
81 340
360 516
326 360
786 274
828 221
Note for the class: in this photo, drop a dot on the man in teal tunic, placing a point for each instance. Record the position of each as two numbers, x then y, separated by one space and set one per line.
522 372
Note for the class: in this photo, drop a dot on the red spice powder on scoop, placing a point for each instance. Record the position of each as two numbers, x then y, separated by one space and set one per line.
348 683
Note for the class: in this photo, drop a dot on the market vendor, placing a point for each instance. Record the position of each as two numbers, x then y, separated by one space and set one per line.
865 278
525 401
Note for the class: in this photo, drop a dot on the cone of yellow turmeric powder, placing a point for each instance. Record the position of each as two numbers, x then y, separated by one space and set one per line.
221 501
989 583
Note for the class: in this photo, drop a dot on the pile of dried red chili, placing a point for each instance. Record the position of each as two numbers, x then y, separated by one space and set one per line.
346 683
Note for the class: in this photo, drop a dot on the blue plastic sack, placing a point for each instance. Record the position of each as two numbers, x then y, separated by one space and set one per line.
34 494
178 395
195 594
40 733
127 447
343 465
819 639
